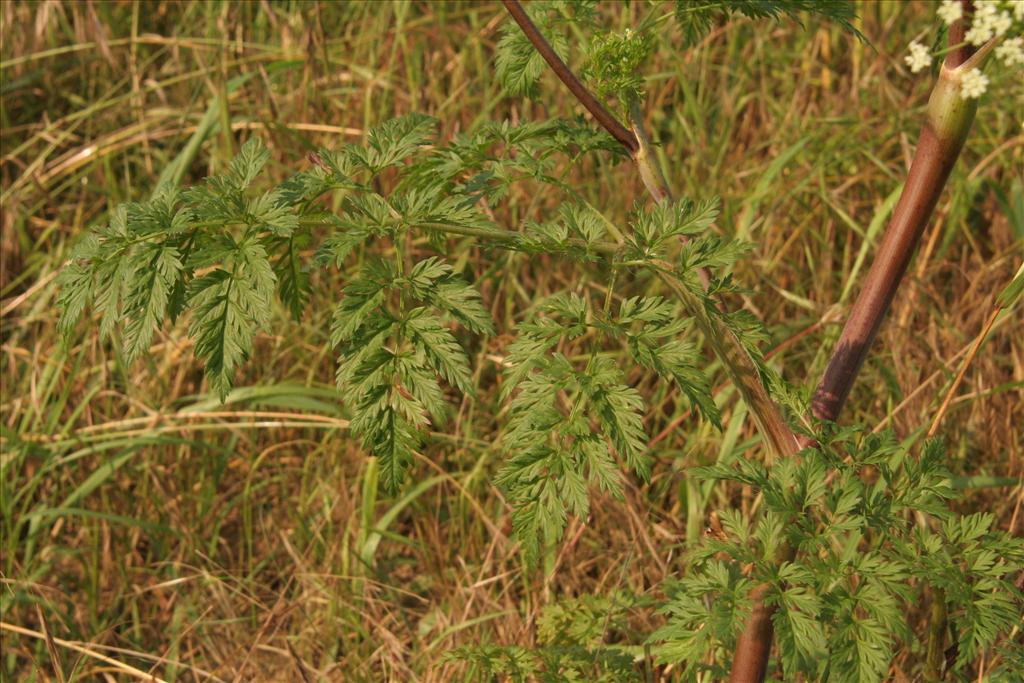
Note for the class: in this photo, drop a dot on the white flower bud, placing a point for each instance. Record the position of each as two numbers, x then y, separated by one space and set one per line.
973 84
1001 23
1011 52
918 58
951 11
979 33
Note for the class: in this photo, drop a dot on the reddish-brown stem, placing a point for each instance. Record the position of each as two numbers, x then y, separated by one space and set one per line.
565 74
754 644
942 137
928 173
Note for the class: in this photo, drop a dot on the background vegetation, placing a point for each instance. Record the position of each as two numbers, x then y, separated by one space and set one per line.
145 522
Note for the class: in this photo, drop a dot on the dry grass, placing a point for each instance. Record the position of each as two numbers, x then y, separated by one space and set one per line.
158 530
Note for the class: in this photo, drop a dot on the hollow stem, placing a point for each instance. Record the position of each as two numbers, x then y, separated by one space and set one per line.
942 137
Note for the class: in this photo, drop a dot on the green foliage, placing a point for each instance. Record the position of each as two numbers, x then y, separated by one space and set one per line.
495 156
519 66
842 536
569 422
714 601
613 59
229 303
565 426
391 354
219 250
845 511
577 641
973 564
393 142
654 229
575 234
651 327
205 249
696 19
613 64
293 279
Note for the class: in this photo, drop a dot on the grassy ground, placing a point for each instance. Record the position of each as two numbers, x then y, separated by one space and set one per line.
146 523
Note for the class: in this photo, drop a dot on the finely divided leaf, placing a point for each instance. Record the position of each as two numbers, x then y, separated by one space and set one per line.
697 18
359 299
431 337
248 163
148 294
394 141
231 304
269 212
292 276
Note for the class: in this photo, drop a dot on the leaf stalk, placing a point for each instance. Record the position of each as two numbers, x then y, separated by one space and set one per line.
740 367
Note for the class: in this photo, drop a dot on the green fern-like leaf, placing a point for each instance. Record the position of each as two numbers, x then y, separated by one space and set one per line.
651 328
519 66
77 283
246 166
148 295
230 305
269 211
432 338
391 356
655 228
392 142
559 447
620 411
293 278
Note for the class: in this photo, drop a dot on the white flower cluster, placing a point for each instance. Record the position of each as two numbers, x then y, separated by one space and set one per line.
1012 50
951 11
919 57
991 19
973 84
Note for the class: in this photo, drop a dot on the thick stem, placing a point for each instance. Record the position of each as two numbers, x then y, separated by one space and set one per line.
754 645
942 138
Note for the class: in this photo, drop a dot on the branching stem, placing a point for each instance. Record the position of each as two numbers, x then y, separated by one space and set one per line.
942 137
740 367
941 140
